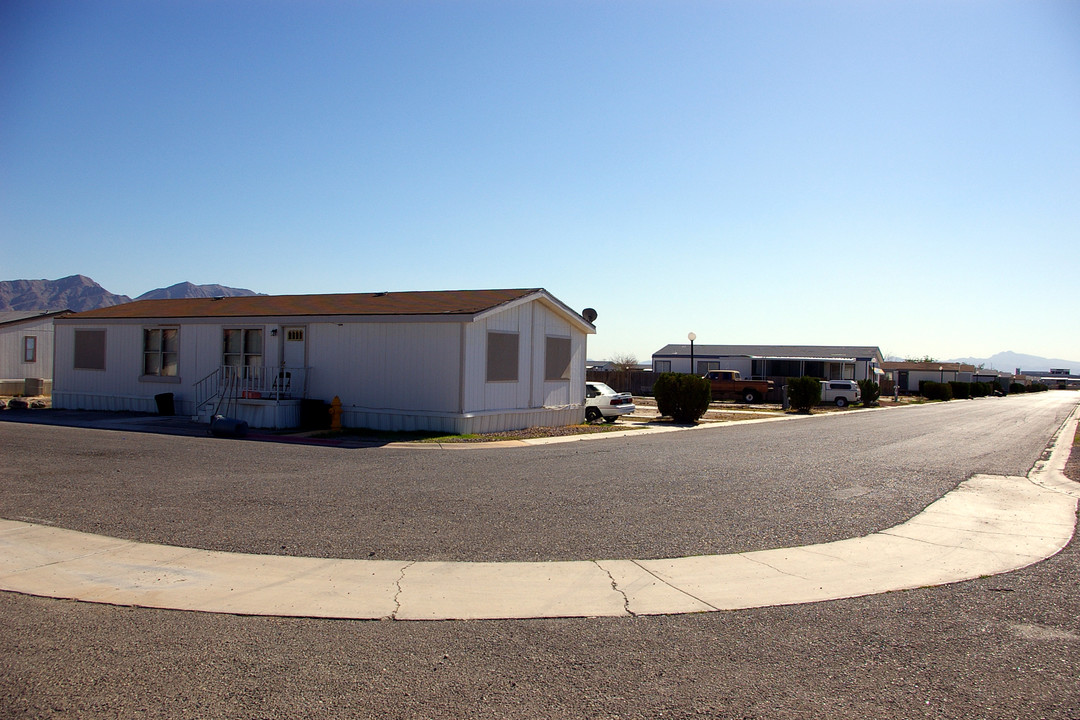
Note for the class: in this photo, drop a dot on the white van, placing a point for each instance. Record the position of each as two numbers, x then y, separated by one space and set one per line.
841 392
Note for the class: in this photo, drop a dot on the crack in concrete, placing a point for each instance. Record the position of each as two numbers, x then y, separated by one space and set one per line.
673 587
74 558
971 530
397 594
615 587
772 567
993 553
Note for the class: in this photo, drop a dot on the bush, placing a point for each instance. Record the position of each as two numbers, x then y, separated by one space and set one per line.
935 390
683 398
980 389
960 390
871 391
1038 387
804 393
1017 388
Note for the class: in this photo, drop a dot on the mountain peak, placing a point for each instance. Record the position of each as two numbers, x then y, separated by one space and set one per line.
79 293
190 290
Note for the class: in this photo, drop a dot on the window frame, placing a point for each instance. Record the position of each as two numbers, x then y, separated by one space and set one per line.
29 354
160 352
502 363
89 341
558 353
244 355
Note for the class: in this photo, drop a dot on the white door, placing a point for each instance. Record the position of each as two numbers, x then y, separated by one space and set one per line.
294 354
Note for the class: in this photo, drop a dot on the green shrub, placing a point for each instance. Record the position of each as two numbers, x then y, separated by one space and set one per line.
1017 388
804 393
980 389
684 398
871 391
1038 387
960 390
935 390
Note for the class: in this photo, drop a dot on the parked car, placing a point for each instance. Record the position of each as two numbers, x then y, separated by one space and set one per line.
841 392
603 402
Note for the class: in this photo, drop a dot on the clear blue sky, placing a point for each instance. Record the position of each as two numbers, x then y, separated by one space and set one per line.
899 174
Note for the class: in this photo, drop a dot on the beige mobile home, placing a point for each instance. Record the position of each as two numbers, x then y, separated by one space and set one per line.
447 361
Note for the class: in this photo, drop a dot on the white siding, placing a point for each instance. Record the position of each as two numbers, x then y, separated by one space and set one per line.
121 385
400 366
12 366
533 322
387 374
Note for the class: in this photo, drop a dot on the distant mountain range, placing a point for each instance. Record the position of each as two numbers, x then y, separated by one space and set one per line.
79 293
1009 361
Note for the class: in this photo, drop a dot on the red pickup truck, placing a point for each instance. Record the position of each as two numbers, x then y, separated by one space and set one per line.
728 385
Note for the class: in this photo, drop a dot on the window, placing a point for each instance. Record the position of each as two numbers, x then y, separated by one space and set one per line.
89 349
784 368
557 359
29 353
502 357
705 366
662 366
294 335
243 348
160 351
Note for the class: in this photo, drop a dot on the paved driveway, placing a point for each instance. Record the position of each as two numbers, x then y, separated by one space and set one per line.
715 491
1001 647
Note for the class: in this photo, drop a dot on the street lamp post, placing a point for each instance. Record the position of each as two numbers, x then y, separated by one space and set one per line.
941 374
691 337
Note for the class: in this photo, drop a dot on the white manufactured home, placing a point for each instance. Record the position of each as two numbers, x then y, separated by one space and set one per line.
777 362
26 350
446 361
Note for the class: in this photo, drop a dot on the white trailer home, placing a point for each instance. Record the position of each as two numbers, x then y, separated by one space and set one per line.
26 351
445 361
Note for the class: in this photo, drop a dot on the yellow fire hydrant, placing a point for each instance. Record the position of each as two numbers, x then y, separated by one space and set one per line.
335 413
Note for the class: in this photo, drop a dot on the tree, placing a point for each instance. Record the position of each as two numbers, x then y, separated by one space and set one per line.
623 361
924 359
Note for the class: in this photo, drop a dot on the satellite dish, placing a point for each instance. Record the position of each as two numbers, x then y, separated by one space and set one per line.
589 314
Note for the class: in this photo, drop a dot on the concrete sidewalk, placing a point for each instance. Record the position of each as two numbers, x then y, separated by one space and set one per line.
987 525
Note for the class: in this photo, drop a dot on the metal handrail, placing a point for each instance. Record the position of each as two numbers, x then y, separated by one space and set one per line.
261 382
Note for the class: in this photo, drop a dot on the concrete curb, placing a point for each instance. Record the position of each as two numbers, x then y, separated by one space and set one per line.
987 525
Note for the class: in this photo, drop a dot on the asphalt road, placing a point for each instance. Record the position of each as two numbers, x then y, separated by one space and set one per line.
999 647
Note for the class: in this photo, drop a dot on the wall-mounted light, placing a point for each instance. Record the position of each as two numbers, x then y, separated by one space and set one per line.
273 332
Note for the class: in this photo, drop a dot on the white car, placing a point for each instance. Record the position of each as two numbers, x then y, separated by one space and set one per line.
603 402
841 392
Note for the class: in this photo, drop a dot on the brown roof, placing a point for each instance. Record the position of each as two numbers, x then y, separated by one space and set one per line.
430 302
927 366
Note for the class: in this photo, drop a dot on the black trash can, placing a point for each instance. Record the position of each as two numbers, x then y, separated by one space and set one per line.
165 405
221 426
314 414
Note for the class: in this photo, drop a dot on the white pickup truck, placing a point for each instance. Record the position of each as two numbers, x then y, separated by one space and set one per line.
841 392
